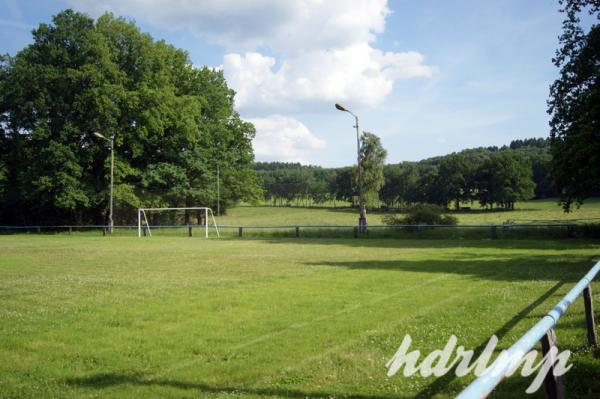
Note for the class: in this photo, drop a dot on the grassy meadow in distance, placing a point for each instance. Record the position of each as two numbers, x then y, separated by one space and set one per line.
527 212
177 317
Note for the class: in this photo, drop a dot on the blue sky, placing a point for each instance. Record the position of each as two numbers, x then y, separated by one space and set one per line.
429 77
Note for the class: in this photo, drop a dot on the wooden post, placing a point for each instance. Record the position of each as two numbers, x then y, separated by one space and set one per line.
241 231
189 231
494 232
570 231
355 232
104 231
297 231
555 387
589 316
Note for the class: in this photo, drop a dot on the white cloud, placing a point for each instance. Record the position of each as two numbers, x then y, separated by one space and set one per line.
283 26
322 49
357 73
283 138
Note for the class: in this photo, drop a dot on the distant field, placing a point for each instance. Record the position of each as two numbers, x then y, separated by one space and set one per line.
541 211
174 317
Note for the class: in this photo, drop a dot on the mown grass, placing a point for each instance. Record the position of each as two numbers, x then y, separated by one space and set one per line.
287 318
526 212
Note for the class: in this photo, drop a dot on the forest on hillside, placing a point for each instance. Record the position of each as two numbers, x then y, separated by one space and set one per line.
493 176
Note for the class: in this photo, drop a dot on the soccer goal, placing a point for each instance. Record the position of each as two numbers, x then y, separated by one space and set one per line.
202 212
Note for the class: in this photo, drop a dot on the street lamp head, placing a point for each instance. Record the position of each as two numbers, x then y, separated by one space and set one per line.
99 135
340 107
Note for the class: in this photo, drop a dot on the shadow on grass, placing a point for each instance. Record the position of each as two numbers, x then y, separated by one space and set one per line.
105 380
491 267
442 383
581 381
433 243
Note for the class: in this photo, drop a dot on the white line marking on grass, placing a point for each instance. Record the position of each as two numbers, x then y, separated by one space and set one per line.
346 310
337 348
297 326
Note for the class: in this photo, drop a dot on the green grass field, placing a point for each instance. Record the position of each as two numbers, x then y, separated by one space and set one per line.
527 212
313 318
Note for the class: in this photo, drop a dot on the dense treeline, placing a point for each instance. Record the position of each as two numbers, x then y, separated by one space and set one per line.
492 176
173 124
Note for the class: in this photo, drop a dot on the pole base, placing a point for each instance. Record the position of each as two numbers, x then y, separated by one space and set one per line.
362 225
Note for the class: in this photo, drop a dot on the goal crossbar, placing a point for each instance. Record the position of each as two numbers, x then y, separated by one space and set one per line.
142 213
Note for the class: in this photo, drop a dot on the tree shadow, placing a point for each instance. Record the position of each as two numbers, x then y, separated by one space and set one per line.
483 267
437 243
105 380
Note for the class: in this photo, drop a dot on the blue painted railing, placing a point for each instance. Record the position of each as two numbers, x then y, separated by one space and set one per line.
485 384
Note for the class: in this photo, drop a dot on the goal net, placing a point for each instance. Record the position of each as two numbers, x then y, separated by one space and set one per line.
153 218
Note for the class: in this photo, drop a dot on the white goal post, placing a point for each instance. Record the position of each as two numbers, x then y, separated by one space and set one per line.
207 211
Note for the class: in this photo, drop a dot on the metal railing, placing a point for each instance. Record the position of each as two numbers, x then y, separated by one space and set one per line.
542 332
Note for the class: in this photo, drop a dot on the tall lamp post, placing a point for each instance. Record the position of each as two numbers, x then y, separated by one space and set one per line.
362 218
111 140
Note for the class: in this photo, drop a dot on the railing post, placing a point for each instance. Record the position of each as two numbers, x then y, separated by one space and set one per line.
494 232
570 230
297 231
241 231
554 385
189 231
355 232
103 231
589 316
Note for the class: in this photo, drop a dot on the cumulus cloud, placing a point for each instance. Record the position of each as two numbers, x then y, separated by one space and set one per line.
356 73
320 50
283 26
284 138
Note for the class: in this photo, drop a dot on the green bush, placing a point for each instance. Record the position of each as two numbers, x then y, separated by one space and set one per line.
422 214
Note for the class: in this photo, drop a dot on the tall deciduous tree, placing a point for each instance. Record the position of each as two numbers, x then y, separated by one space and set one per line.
173 124
503 179
453 181
372 155
574 105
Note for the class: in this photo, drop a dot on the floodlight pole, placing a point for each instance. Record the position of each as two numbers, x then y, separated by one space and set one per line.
218 193
112 168
112 177
362 218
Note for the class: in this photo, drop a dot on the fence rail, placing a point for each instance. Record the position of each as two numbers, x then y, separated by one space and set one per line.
493 231
453 226
542 332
